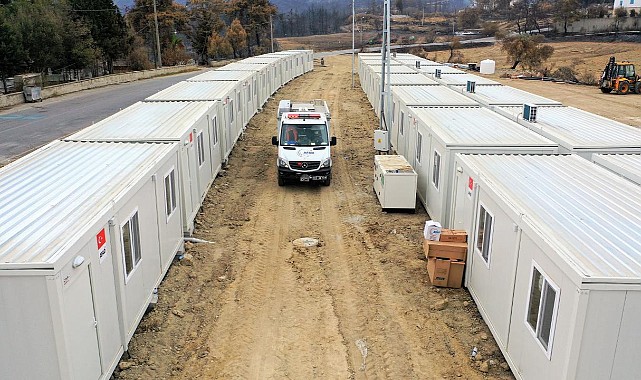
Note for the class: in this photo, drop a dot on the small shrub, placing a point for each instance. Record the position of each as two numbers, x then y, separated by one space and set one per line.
565 73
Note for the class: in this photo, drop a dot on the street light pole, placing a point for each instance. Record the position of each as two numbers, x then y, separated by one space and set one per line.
353 48
159 57
271 31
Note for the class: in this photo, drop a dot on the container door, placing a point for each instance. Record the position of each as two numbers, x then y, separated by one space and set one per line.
80 327
217 154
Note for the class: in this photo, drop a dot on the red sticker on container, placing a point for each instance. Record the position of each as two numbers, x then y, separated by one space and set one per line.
470 183
101 238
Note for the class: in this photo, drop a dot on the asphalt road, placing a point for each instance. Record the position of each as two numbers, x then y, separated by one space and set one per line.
27 127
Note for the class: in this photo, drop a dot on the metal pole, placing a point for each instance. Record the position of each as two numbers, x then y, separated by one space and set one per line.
271 32
159 57
353 48
385 113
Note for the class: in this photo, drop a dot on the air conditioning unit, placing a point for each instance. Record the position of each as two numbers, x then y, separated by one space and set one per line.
418 64
437 73
529 112
471 86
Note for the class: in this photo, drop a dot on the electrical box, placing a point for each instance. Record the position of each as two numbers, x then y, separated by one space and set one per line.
381 140
394 182
529 112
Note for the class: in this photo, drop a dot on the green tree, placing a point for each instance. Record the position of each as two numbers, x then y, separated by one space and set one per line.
13 57
107 27
527 50
204 20
237 37
254 16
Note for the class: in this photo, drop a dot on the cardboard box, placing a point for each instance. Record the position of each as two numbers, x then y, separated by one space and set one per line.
445 273
445 250
453 236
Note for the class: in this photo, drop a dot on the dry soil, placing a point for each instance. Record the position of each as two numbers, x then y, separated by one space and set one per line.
251 305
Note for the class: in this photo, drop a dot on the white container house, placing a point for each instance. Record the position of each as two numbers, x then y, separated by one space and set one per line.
404 97
457 80
267 74
255 90
578 131
554 263
498 95
84 240
228 93
434 135
627 166
194 126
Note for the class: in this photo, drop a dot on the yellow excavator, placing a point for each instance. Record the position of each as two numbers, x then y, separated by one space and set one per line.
619 77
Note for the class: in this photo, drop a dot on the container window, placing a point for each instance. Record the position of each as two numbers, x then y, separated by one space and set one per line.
200 147
419 146
214 131
400 128
231 108
542 308
393 111
170 193
131 244
238 100
436 170
485 225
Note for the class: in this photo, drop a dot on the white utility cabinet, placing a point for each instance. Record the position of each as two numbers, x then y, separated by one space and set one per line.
394 182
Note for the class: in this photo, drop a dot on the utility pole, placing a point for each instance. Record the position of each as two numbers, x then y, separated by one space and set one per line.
385 112
353 48
159 57
271 32
423 18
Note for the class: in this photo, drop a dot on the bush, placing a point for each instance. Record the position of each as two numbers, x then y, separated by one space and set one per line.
565 73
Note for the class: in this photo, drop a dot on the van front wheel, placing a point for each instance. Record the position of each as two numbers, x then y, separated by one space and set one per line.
281 181
328 181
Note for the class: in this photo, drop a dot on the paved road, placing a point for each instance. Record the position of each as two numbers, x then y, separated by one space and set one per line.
26 127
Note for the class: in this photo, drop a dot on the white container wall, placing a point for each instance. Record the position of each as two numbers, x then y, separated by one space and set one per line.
86 251
554 265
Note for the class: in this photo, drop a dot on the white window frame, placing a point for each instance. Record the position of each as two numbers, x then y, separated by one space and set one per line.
419 146
555 309
200 148
170 198
436 169
476 234
401 128
136 264
238 100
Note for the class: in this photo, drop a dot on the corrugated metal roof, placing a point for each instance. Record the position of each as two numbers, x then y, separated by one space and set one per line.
592 215
476 126
574 128
505 95
262 59
410 79
431 96
194 91
155 121
400 69
50 197
237 66
626 165
461 79
412 61
221 75
431 69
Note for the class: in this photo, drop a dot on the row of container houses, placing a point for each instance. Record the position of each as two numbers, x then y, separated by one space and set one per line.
549 196
89 225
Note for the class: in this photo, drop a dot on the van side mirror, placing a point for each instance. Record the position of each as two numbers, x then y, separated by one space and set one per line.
274 140
332 141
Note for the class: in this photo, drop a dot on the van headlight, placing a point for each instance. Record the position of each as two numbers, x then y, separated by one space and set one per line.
327 163
282 163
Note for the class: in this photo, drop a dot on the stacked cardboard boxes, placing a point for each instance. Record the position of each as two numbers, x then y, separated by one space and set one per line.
446 258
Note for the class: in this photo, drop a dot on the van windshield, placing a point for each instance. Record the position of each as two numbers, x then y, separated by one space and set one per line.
304 135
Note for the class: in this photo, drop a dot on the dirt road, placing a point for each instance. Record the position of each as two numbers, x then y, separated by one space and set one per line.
359 306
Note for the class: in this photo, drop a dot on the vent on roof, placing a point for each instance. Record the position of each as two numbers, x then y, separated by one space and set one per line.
437 73
471 86
529 112
418 64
